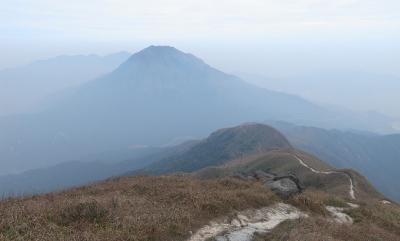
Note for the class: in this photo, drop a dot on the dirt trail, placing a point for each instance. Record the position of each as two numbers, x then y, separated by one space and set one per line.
351 187
339 215
247 223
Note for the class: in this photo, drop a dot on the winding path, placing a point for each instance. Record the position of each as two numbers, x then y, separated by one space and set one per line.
351 188
246 224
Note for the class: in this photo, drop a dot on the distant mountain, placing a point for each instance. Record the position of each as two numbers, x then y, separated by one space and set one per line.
358 90
222 146
81 172
242 149
22 89
375 156
250 148
157 95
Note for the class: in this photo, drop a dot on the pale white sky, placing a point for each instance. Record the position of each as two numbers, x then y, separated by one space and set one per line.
35 28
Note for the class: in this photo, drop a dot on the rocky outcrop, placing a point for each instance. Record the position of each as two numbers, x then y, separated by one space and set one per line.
284 186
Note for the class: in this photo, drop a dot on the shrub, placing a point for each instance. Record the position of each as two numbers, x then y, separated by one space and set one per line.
90 212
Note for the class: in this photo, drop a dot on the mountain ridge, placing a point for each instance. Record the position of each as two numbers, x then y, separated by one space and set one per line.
222 146
374 155
25 89
147 103
225 152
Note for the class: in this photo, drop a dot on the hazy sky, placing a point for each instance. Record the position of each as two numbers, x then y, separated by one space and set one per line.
31 28
274 38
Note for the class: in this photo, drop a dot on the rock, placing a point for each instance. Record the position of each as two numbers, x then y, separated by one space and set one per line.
258 175
251 178
285 186
240 176
248 223
244 177
339 216
261 175
282 185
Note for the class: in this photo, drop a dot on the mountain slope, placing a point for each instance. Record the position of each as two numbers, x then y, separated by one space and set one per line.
241 149
157 95
250 148
226 194
23 89
324 85
172 208
81 172
375 156
222 146
312 173
212 201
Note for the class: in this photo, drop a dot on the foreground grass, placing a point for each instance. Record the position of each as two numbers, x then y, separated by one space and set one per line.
320 229
373 221
128 209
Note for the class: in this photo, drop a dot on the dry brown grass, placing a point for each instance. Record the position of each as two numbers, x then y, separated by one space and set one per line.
168 208
315 202
373 221
319 229
128 209
382 215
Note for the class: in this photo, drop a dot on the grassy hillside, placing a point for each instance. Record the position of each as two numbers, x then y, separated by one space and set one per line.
221 147
241 149
375 156
170 208
283 162
372 221
175 207
123 209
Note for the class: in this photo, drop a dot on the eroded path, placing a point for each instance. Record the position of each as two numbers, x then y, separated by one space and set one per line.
351 186
339 215
246 224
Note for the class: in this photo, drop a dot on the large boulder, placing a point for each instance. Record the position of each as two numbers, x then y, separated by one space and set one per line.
285 186
263 176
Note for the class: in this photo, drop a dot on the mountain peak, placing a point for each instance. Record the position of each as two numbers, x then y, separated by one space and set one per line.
160 49
163 54
262 137
222 146
163 63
